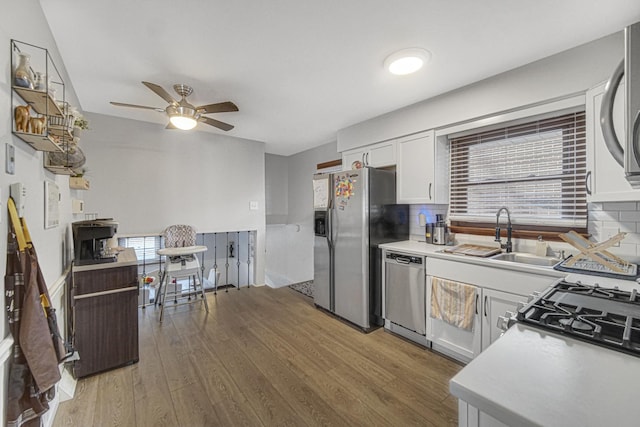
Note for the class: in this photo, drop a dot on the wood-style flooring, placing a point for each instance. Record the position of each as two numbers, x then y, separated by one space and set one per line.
268 357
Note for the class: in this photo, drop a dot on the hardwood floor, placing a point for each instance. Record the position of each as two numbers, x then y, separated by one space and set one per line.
265 356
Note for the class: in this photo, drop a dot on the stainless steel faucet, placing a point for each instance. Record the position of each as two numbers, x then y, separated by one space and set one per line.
508 246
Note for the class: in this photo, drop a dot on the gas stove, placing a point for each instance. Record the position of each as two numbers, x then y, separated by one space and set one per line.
609 317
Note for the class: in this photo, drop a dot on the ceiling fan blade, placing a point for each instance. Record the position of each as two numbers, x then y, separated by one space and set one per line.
161 92
220 107
121 104
216 123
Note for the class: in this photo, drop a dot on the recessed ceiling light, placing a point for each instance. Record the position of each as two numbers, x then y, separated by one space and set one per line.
406 61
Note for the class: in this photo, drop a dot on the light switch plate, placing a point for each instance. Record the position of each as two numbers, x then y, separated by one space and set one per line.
10 159
253 205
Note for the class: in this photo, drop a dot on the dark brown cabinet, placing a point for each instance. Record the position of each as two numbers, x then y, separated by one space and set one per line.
104 317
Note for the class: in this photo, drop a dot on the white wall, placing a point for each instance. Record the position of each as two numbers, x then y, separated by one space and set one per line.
565 73
277 188
25 21
147 178
290 244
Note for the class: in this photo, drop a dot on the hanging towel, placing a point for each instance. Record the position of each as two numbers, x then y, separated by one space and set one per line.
453 302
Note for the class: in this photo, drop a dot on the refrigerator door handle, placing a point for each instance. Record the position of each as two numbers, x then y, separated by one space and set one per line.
109 292
329 232
332 228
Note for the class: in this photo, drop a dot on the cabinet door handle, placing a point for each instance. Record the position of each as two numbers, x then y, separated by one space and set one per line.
587 181
109 292
430 184
477 296
367 159
486 299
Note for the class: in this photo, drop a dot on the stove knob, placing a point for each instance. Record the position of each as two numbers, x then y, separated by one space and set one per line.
503 323
533 295
521 305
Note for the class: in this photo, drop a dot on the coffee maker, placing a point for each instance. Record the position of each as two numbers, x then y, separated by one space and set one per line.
90 241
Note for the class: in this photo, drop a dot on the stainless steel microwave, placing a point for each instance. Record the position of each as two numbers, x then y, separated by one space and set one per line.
627 153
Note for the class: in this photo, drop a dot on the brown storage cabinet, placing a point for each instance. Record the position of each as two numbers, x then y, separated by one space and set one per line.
104 318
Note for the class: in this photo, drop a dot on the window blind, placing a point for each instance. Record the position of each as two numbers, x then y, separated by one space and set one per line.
537 170
146 247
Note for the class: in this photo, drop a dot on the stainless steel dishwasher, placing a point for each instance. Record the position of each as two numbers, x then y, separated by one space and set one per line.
405 289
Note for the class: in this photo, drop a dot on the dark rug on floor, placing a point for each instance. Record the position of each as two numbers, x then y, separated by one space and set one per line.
305 288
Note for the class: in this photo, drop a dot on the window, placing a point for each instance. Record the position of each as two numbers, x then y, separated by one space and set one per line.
146 247
537 170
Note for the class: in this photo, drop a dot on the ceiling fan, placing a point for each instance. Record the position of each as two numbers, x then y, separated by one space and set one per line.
182 114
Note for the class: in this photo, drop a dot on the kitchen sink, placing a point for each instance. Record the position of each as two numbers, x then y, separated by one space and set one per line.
524 258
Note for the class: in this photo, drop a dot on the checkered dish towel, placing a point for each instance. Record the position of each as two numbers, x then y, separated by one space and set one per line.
453 302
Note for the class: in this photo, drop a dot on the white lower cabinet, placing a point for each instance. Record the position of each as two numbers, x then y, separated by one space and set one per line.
465 345
470 416
458 343
498 290
496 304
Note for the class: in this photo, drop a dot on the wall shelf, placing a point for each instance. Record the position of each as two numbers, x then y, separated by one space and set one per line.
60 155
79 183
59 170
60 132
39 142
40 101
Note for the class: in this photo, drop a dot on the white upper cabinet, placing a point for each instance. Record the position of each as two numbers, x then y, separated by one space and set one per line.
422 170
606 181
376 155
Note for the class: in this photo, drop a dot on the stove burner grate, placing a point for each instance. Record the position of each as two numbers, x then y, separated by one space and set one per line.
607 317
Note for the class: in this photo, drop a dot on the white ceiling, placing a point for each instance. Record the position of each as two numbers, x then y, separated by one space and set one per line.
299 70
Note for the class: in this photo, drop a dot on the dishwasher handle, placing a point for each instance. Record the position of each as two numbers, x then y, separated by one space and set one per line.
404 259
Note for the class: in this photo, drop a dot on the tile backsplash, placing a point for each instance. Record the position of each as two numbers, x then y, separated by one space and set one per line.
605 220
429 211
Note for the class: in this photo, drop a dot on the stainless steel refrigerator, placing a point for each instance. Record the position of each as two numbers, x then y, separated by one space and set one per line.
354 212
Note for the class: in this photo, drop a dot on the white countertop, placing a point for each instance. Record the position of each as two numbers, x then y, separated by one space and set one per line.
125 258
532 378
435 251
413 246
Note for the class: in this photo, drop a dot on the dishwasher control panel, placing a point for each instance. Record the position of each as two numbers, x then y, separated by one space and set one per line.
404 258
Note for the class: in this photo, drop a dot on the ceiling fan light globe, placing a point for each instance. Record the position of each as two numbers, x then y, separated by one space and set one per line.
183 122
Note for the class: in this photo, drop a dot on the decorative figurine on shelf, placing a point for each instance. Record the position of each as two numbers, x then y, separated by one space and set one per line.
40 82
22 74
22 118
38 125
